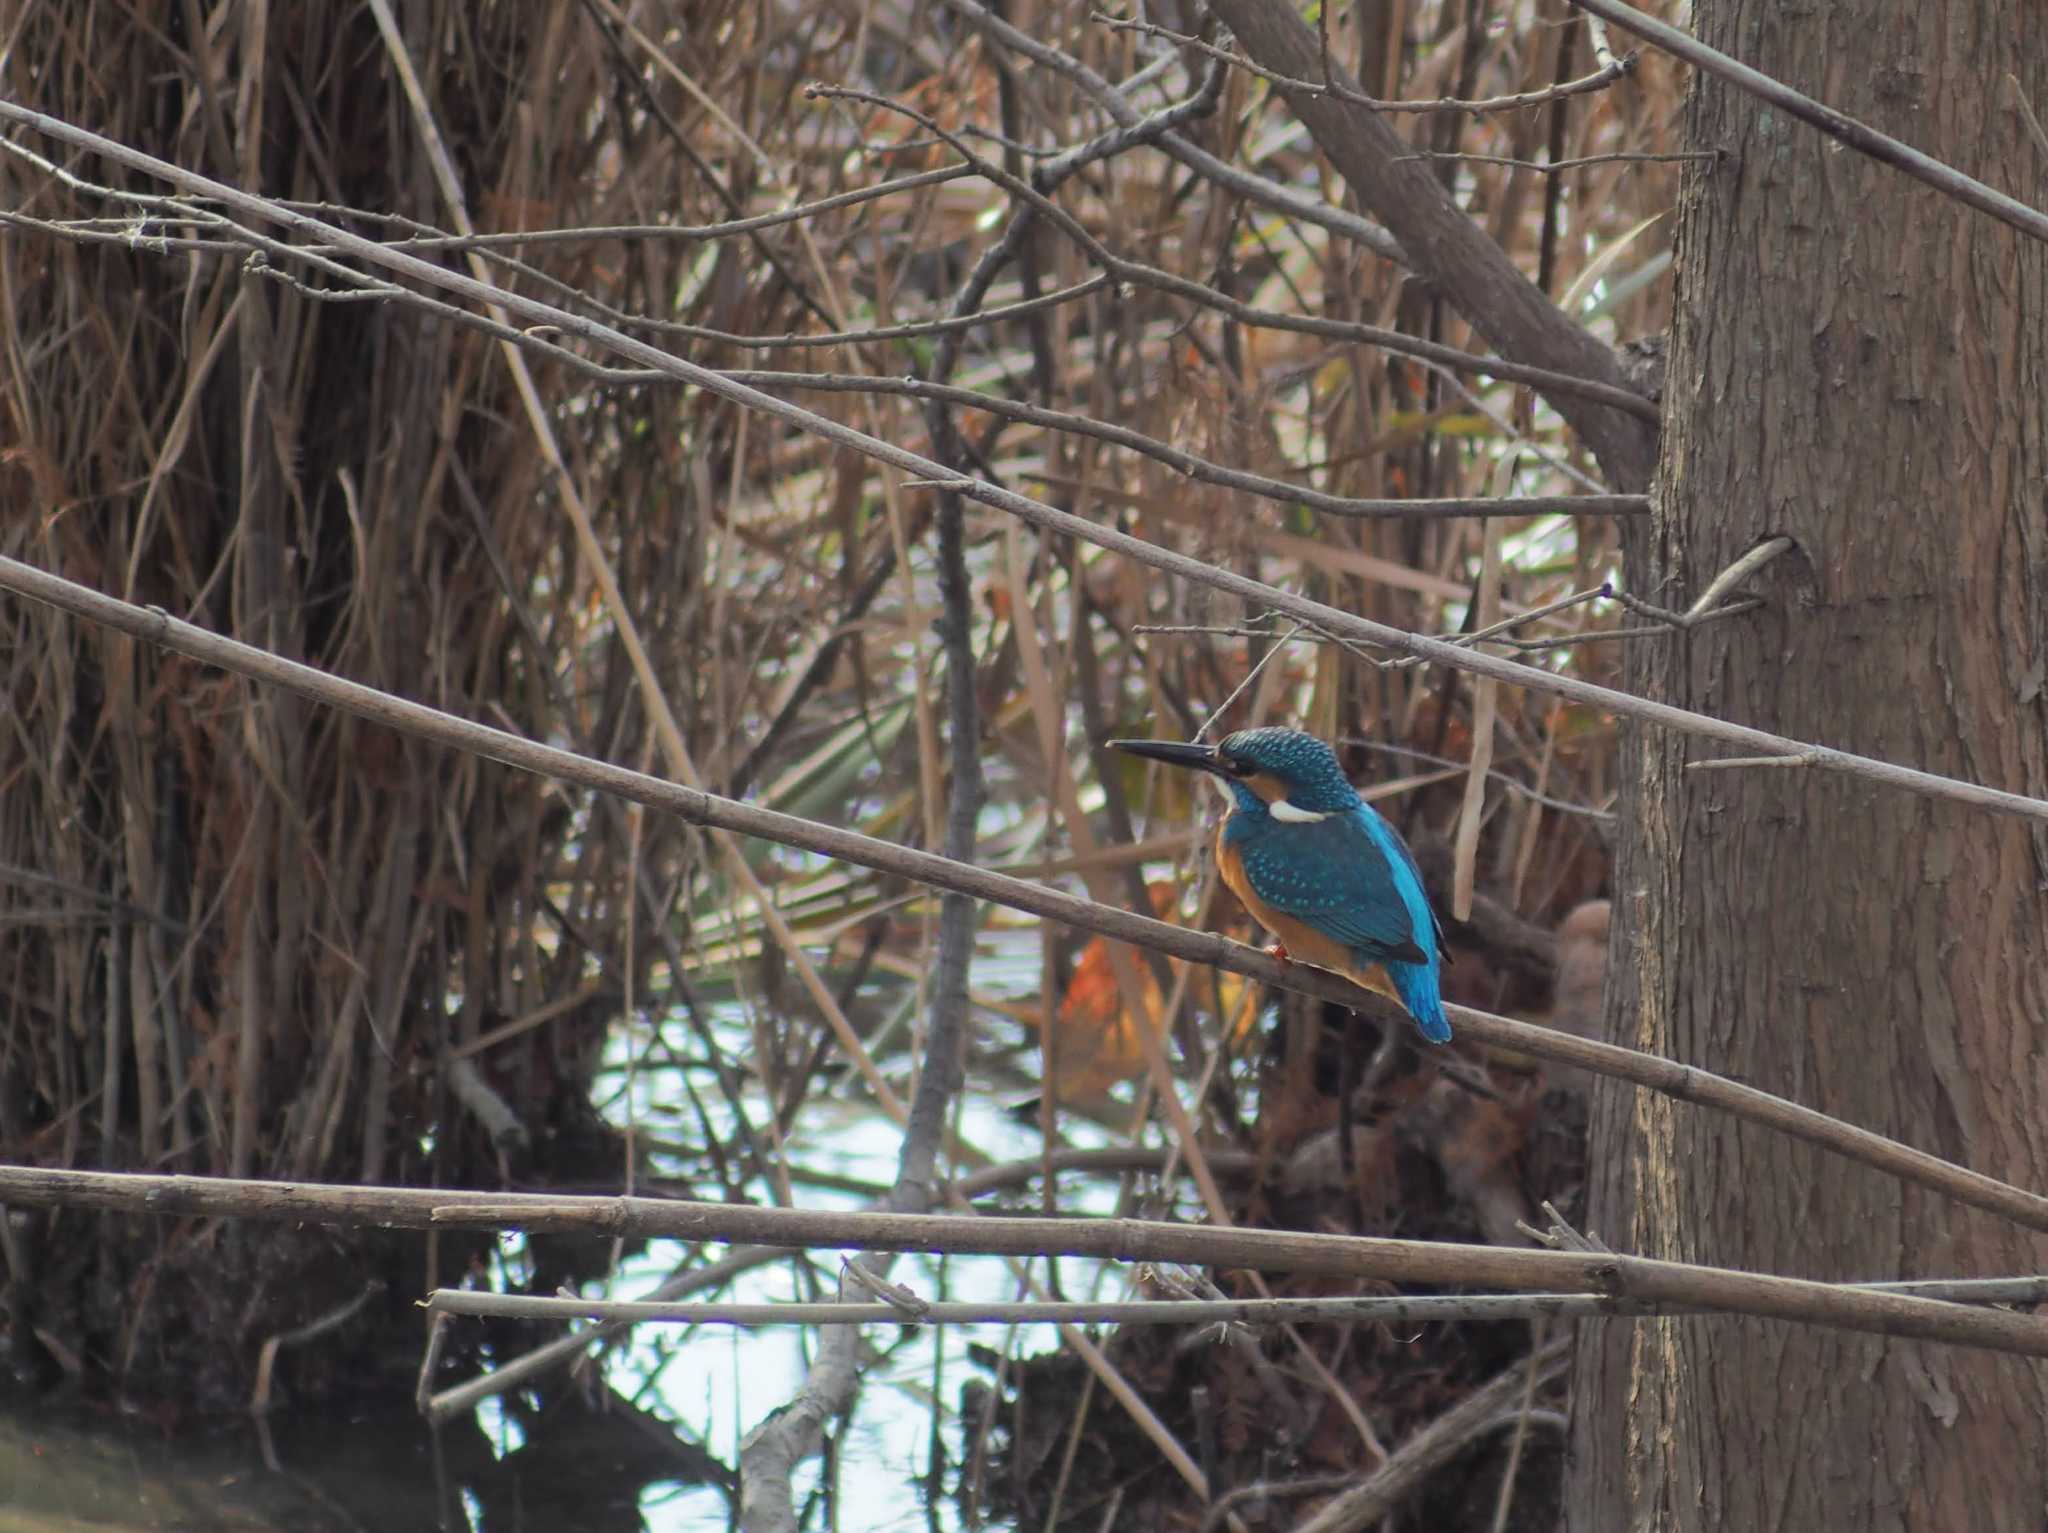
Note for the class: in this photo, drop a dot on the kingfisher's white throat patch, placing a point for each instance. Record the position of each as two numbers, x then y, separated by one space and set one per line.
1292 814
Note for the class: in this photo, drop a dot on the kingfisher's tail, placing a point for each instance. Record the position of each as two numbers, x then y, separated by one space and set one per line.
1417 984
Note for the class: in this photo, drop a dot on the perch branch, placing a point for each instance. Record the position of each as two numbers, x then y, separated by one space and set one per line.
1683 1082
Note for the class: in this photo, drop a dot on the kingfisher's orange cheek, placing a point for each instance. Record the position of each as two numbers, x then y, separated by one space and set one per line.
1269 788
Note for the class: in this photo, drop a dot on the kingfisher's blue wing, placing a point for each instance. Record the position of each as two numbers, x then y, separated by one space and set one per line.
1436 926
1350 878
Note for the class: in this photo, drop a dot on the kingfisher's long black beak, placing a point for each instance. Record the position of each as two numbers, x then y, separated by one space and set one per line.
1202 758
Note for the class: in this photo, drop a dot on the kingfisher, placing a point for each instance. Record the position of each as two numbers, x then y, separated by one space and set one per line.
1331 880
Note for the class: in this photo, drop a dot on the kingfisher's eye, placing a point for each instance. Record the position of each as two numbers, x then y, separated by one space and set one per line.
1234 766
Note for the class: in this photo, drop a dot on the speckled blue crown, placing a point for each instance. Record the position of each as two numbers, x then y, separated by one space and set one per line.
1315 782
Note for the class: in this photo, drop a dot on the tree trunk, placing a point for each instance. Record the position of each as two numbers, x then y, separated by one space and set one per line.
1861 364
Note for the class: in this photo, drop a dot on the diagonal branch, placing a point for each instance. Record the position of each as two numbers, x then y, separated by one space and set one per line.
1838 125
1453 251
1373 1498
1197 468
1611 69
1594 387
1665 1076
1252 187
1255 592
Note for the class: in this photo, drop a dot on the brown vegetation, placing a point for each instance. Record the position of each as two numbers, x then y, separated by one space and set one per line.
245 936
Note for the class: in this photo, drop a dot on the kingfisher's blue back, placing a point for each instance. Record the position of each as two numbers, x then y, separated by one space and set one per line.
1324 872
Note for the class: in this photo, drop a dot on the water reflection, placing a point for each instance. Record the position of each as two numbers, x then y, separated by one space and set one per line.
648 1436
583 1465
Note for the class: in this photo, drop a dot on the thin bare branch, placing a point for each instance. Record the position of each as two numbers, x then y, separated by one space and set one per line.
517 239
1604 1273
1253 188
1256 592
1139 274
1484 1410
1197 468
508 1374
1837 125
1610 71
2026 111
1115 269
1672 1079
1405 1313
1552 167
1472 270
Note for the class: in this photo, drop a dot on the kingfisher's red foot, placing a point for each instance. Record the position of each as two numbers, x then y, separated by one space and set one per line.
1279 950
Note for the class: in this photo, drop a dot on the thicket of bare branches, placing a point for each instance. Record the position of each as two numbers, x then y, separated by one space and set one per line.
252 938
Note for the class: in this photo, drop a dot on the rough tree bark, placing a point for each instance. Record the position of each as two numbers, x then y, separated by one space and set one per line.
1862 365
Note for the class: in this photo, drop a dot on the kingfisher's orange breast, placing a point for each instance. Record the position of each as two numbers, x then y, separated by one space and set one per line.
1303 942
